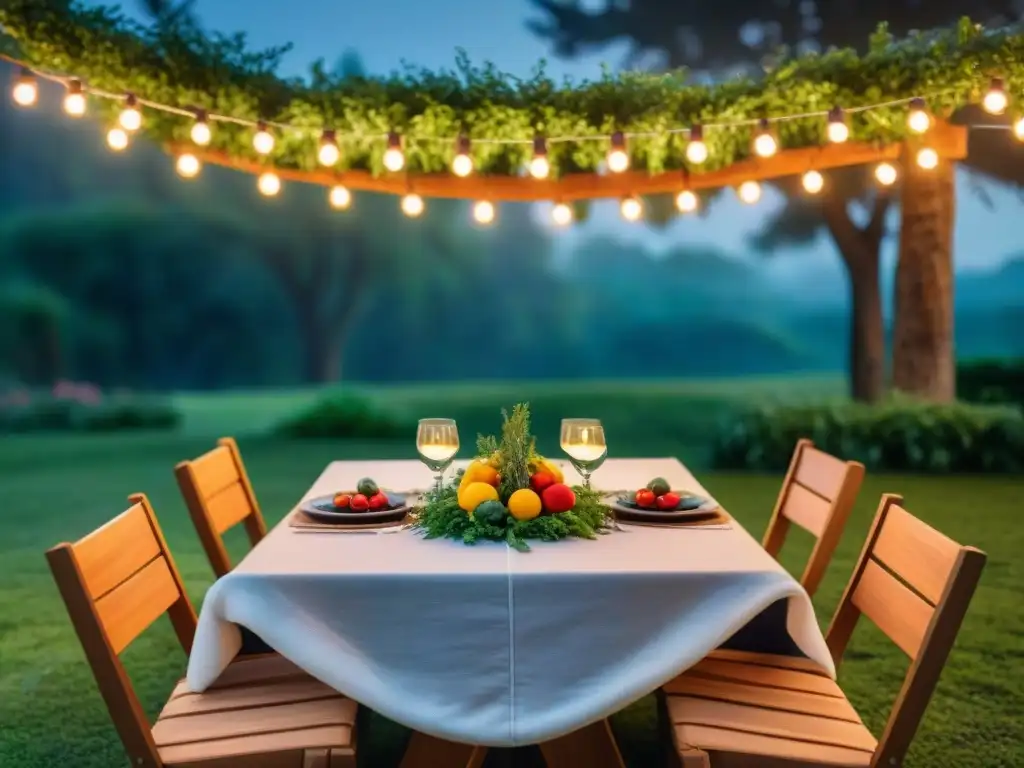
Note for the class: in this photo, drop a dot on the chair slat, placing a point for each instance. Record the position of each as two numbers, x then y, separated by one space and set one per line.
916 552
806 509
800 702
784 679
249 697
198 754
774 752
894 608
112 553
214 471
820 472
131 607
228 507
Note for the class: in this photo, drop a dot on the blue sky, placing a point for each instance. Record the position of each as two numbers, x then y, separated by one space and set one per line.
427 33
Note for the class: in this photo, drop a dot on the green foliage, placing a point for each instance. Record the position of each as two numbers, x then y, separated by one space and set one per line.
900 436
346 415
516 447
65 415
177 63
991 381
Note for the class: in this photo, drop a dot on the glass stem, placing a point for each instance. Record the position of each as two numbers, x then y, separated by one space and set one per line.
586 479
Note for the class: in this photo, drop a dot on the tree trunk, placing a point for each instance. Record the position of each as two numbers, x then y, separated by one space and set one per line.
923 346
860 249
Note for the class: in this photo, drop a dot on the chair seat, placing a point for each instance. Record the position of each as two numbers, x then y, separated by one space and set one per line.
796 663
747 714
258 707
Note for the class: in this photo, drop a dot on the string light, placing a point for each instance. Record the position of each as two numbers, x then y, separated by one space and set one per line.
686 201
339 197
188 166
130 117
750 192
462 163
540 167
886 174
329 153
918 119
631 209
25 92
1018 128
813 182
696 149
412 205
483 212
74 99
394 159
618 159
765 144
269 184
838 131
561 214
996 101
927 158
263 140
201 133
117 138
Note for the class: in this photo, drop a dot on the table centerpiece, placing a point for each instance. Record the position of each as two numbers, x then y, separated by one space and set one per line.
511 493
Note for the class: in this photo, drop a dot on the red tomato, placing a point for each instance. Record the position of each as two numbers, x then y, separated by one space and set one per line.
342 499
540 481
359 503
378 501
645 498
668 501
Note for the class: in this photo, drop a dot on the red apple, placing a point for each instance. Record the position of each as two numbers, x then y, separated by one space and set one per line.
668 501
359 503
558 497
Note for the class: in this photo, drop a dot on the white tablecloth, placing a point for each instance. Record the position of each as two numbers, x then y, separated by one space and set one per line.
486 645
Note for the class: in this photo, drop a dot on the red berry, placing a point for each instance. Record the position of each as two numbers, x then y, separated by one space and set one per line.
342 499
540 481
378 501
668 501
557 498
359 503
646 498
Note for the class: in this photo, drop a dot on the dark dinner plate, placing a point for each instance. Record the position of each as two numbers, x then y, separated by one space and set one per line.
323 510
689 508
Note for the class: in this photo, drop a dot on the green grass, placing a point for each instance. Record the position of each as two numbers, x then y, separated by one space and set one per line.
59 488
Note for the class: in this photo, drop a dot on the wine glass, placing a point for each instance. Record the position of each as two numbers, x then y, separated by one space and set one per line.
437 441
583 441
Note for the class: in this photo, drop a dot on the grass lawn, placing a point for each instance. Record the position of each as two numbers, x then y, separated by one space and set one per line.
59 488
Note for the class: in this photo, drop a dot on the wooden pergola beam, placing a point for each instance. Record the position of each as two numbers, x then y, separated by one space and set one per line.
949 141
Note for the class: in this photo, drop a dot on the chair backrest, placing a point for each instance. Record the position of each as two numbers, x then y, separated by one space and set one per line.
218 495
915 585
818 495
115 582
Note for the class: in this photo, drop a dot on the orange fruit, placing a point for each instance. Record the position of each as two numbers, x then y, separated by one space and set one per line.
524 504
474 494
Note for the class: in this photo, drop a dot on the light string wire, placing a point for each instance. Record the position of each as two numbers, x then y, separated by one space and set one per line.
211 117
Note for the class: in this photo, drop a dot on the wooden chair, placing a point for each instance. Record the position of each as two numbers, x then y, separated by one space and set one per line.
218 495
261 713
915 585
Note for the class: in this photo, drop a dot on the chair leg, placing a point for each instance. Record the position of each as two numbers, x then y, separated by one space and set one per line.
692 757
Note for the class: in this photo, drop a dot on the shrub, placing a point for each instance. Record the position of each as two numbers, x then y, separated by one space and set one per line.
899 435
55 414
991 381
346 416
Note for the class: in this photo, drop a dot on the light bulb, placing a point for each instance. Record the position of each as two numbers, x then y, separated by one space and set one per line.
697 152
750 192
886 174
540 168
25 91
927 158
188 166
329 154
686 201
631 209
74 99
462 165
618 159
1018 129
765 145
130 117
813 182
340 198
263 140
561 214
918 120
117 138
394 159
996 101
269 184
838 131
201 133
412 205
483 212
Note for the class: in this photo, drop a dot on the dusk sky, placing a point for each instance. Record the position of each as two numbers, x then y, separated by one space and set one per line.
427 33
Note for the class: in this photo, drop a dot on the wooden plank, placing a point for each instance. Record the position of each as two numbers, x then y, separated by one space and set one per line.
916 552
769 751
786 725
806 509
275 718
766 698
229 749
252 697
778 661
113 552
214 471
898 612
783 679
820 472
425 751
228 507
592 746
131 607
262 669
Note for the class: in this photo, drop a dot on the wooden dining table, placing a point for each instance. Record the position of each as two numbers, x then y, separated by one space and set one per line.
478 648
